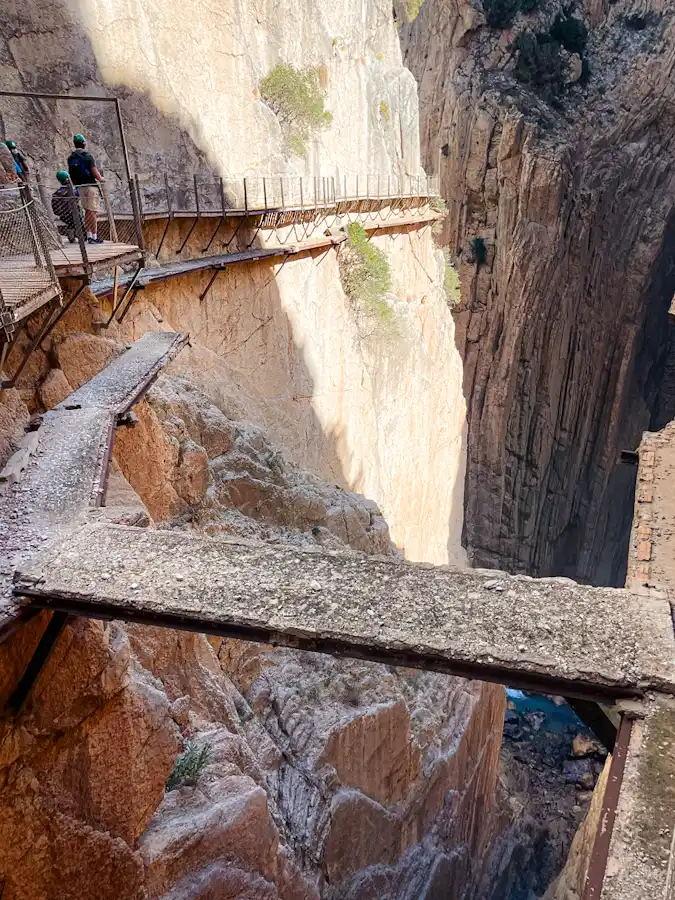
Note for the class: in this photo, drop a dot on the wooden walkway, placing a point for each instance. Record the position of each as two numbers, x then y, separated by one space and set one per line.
68 259
25 287
155 274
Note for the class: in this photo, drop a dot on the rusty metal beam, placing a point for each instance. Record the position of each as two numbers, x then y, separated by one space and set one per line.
32 671
598 863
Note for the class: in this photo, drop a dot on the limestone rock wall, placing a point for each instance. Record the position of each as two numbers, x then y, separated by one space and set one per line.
384 416
189 75
564 327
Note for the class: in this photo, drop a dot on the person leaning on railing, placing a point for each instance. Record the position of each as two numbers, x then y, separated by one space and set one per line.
84 175
20 160
8 173
65 207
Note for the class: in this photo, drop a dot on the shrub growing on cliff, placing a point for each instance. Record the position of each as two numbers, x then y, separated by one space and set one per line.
366 277
541 64
296 97
501 13
478 250
571 33
451 282
188 766
412 8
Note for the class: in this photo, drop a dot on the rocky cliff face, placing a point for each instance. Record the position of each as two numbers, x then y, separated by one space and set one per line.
564 324
189 77
325 778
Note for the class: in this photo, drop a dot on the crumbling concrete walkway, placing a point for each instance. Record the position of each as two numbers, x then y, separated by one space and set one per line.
62 469
548 634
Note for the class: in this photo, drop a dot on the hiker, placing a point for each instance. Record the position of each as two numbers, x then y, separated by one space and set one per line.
20 160
84 175
64 208
7 165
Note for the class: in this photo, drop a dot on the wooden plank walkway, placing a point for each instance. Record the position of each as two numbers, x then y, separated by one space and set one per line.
68 259
153 275
67 473
547 634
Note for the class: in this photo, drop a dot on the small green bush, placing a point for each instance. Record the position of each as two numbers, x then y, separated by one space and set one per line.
571 33
451 282
412 8
384 111
296 97
189 765
541 64
295 145
501 13
635 23
366 276
478 250
439 205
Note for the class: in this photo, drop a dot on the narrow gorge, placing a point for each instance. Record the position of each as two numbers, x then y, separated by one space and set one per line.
447 377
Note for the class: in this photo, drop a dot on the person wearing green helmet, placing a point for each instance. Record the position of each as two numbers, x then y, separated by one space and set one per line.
84 175
7 165
20 160
64 207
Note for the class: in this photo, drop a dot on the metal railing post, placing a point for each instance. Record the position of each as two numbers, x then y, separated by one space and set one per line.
169 208
194 178
316 200
302 199
265 192
136 211
281 185
77 223
332 181
112 227
26 203
245 197
41 237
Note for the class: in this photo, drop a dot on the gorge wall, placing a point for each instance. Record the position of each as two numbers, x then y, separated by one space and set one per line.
564 326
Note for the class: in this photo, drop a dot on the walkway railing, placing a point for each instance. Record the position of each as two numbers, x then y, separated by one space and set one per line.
204 195
27 276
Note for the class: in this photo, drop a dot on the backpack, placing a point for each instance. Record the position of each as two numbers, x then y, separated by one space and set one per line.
79 169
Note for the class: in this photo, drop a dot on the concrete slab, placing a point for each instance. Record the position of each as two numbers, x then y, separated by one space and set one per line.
65 475
118 385
548 633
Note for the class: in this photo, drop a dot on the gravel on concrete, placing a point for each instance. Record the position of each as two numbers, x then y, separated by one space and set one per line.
371 607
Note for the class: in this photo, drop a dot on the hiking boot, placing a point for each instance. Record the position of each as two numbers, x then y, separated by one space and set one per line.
95 240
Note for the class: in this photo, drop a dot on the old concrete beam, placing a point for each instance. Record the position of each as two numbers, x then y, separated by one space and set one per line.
544 634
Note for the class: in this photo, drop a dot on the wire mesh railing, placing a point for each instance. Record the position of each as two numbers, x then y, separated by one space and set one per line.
27 275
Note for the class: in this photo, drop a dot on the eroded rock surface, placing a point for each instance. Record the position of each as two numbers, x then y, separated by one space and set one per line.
325 777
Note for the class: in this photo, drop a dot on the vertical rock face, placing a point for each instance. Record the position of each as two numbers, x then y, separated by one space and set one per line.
564 325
